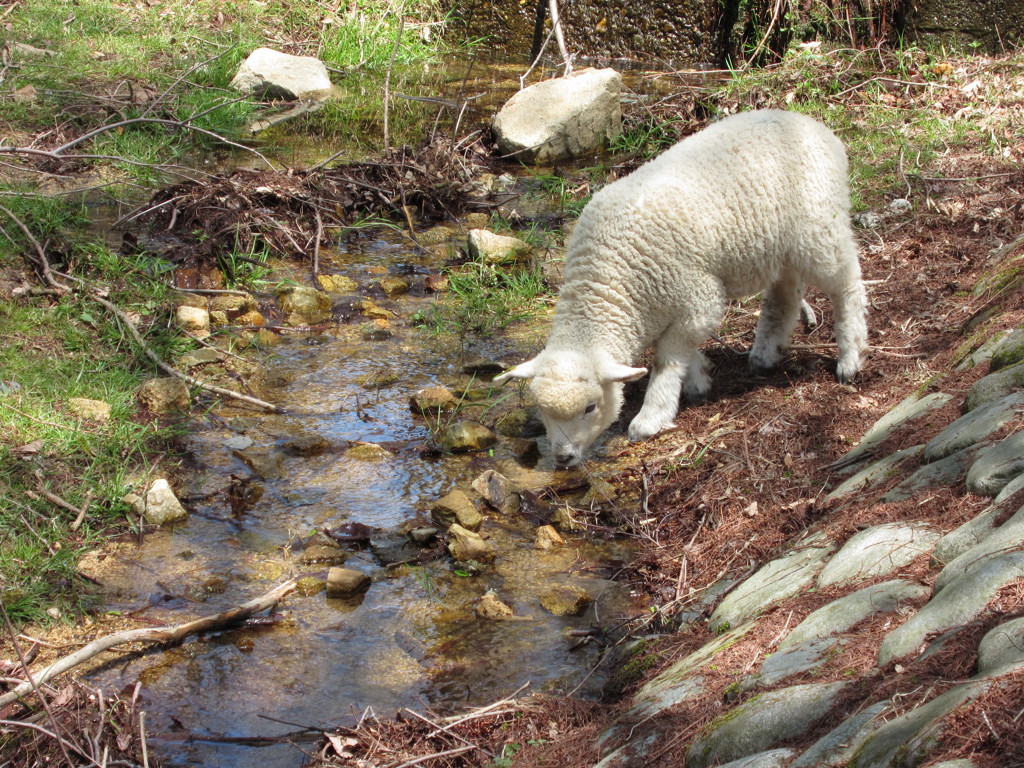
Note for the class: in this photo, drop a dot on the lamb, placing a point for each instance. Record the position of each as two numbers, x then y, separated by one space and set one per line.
758 201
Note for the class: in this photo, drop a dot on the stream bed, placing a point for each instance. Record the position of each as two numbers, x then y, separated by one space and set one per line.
413 639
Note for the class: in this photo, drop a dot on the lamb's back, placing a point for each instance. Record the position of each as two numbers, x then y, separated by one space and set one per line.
729 201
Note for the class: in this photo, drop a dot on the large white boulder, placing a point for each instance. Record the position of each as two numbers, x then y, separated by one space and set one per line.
275 75
562 118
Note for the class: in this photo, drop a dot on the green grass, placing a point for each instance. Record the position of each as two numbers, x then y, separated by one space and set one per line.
483 298
116 61
56 348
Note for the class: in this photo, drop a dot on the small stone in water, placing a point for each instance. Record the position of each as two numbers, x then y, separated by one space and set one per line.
432 401
423 536
566 600
324 553
307 445
466 436
368 452
456 507
346 582
490 607
548 538
463 544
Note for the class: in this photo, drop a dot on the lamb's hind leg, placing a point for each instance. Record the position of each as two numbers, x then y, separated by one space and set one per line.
676 359
780 310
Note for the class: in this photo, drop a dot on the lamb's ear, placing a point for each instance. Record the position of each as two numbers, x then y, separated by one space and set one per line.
521 371
615 372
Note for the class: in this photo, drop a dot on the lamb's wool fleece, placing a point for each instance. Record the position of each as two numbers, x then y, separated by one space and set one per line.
758 201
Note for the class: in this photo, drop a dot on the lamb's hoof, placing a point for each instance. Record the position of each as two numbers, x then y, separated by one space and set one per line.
639 430
698 397
846 377
759 368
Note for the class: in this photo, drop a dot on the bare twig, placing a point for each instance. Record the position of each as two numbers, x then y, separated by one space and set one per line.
152 635
556 25
387 80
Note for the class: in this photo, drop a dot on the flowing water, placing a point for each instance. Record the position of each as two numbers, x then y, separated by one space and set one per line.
413 640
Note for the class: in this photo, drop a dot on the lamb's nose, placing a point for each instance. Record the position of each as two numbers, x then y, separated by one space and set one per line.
563 460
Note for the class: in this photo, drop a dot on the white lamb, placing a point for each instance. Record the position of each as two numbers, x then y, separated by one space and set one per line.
756 202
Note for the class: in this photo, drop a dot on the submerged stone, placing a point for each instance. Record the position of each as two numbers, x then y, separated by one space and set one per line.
490 607
344 583
464 544
307 445
302 305
331 554
265 463
463 436
519 422
368 452
337 283
566 600
548 538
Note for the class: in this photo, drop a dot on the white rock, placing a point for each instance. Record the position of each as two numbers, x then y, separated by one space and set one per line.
279 75
193 319
561 118
162 506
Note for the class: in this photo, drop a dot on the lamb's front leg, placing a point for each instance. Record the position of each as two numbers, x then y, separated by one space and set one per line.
674 361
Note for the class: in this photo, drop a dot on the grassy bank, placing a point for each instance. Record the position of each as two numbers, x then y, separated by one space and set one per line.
157 74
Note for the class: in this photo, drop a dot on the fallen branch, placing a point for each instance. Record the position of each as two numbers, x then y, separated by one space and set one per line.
149 635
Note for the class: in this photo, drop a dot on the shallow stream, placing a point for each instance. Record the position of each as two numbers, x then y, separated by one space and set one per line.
413 640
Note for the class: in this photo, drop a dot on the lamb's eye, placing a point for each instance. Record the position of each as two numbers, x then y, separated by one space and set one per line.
590 408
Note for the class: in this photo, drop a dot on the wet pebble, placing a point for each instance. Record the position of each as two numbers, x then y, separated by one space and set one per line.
307 445
346 582
368 452
548 538
566 600
490 607
465 436
464 544
456 507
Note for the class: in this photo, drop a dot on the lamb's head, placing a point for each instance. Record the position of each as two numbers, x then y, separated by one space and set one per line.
579 395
